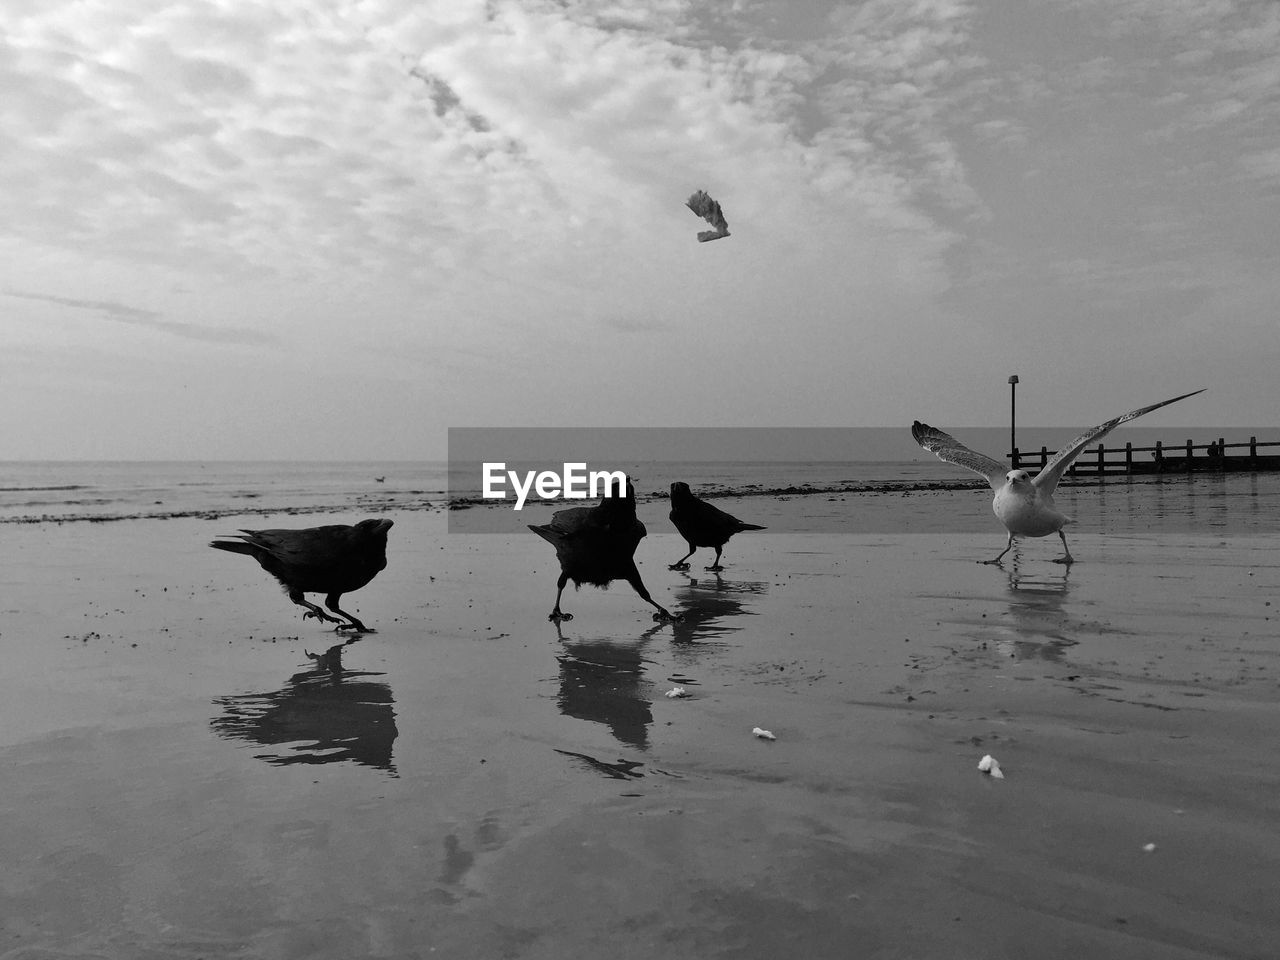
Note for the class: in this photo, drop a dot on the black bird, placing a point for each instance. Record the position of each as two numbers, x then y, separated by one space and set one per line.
597 545
332 560
709 210
702 525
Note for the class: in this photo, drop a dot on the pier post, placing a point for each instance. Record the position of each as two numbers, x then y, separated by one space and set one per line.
1190 447
1044 457
1253 452
1013 418
1128 457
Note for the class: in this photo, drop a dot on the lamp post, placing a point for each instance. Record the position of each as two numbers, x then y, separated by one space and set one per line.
1013 419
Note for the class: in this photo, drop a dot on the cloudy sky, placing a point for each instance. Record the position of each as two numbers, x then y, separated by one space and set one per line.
335 228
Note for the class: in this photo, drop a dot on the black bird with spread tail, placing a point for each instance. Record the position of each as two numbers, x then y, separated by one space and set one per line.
597 545
702 525
332 560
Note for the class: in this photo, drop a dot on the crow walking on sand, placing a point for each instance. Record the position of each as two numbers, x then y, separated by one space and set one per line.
332 560
702 525
1022 503
597 545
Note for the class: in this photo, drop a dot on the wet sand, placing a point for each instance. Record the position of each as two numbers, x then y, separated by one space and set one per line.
182 780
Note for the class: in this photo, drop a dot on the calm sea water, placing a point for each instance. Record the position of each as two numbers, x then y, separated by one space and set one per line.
100 491
852 496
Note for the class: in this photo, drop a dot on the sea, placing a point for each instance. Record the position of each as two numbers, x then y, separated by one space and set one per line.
101 491
915 495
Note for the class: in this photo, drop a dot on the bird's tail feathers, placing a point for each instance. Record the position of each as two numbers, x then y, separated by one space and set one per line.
546 533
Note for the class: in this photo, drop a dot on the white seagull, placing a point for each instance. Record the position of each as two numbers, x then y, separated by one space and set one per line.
1024 504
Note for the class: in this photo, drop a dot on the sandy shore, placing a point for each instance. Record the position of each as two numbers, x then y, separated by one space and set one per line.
182 780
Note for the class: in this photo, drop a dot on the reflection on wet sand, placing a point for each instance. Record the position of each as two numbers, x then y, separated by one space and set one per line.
622 770
1196 504
1036 623
602 680
323 715
460 856
709 605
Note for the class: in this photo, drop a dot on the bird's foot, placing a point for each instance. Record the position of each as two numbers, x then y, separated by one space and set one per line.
716 567
678 566
357 627
664 616
992 563
1066 559
323 617
558 617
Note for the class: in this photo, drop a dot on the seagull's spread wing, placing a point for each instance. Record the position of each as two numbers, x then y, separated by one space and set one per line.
1047 479
948 448
702 204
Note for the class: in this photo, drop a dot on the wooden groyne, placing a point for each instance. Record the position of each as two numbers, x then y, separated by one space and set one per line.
1188 457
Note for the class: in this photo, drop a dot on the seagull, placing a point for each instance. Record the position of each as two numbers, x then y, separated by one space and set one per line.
332 560
597 545
702 525
1022 503
702 204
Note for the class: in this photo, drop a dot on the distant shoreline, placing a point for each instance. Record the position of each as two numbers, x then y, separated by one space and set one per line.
468 502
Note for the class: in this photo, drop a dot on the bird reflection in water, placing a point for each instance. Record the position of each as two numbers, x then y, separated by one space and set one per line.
603 680
710 605
1037 625
326 714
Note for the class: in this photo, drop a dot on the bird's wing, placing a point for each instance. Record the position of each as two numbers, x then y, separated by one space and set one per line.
1047 479
566 524
702 204
947 448
712 517
314 547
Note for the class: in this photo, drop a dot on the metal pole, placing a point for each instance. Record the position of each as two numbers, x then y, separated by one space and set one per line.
1013 418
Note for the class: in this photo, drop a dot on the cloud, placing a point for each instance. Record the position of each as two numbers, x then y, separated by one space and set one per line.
304 141
493 191
635 324
152 320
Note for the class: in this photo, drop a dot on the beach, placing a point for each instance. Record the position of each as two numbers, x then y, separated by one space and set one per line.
188 774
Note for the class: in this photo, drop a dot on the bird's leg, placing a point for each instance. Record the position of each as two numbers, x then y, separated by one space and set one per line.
331 601
312 610
680 564
556 615
716 565
638 585
1068 558
1008 546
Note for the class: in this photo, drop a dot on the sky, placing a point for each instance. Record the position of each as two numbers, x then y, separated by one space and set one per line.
319 229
